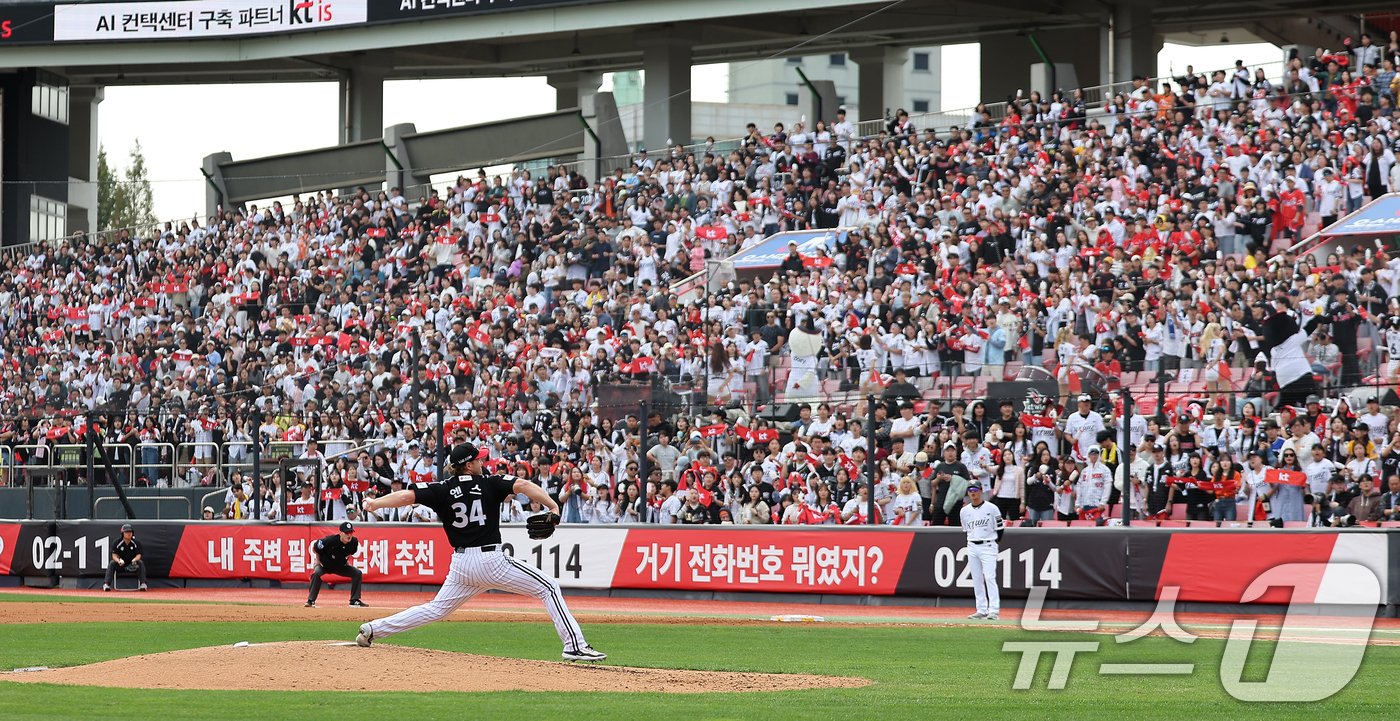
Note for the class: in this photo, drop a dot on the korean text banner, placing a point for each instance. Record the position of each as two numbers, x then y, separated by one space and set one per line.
200 18
1213 565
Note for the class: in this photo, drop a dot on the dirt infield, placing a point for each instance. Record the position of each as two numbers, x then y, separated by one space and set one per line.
305 665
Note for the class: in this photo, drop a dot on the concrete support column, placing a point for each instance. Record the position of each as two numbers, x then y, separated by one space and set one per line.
881 80
820 105
1007 62
398 164
1105 75
571 88
215 189
83 144
361 104
666 55
1134 46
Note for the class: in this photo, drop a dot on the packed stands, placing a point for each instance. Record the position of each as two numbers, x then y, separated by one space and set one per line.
1133 248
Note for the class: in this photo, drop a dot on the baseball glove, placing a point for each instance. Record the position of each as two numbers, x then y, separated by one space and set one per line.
541 525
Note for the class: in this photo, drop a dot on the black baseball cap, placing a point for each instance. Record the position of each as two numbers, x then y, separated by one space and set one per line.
347 527
127 527
462 453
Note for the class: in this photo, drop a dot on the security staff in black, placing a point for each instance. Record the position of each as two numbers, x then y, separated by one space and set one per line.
126 556
333 556
468 503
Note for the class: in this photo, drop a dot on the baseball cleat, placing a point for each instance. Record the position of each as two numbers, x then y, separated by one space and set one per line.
993 617
143 587
105 587
309 604
366 635
358 603
584 654
978 616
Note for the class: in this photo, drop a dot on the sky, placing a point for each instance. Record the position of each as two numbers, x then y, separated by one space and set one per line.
250 121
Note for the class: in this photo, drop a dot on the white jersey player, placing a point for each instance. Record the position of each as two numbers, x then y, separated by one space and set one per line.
983 524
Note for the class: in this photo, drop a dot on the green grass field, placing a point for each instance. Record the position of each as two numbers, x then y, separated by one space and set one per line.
921 672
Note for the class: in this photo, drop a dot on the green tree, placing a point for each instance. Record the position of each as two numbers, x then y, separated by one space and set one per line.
109 191
124 202
141 198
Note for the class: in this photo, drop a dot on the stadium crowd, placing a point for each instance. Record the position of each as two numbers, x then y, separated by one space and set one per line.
1139 238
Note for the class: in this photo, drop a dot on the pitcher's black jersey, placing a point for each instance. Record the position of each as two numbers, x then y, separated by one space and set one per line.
468 506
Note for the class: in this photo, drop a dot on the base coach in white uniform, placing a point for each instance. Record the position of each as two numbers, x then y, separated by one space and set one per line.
983 524
469 505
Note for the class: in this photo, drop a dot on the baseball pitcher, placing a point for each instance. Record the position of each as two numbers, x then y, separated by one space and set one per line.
468 504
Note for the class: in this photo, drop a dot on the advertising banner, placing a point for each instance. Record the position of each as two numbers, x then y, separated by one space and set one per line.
1382 216
796 561
1071 563
771 252
380 10
199 18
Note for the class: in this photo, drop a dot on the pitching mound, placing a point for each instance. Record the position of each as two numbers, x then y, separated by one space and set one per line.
320 665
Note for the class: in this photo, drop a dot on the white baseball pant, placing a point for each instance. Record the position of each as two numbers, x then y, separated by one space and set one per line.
474 571
982 560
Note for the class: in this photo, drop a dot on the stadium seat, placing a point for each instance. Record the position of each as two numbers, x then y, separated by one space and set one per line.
1363 349
1390 524
1088 524
1295 524
1142 524
1242 511
1234 524
1200 524
1173 524
1178 512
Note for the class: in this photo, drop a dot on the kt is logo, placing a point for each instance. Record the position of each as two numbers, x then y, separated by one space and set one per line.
309 12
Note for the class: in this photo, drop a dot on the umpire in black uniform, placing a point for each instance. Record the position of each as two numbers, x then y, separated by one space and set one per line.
126 556
333 556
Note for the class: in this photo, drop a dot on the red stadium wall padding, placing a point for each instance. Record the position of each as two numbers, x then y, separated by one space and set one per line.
9 538
1222 565
1074 563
